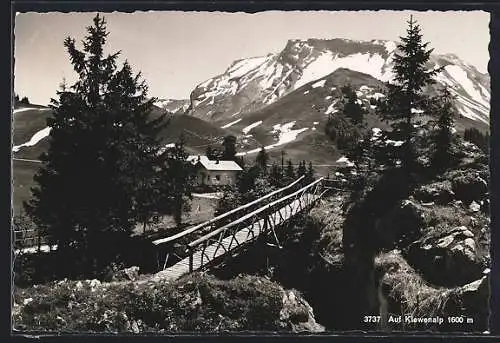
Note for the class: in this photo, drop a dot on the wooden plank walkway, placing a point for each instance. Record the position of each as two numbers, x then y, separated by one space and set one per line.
228 244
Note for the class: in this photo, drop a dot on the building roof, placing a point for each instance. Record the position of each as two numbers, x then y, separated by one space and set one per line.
194 158
214 165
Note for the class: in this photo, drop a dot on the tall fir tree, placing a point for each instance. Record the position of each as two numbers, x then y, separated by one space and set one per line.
275 178
100 164
246 178
352 108
178 182
262 160
405 96
301 169
309 173
289 171
345 128
342 131
481 140
212 153
229 145
443 136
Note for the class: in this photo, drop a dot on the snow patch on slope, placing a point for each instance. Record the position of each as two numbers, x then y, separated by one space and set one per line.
331 108
24 109
346 161
376 96
390 46
327 63
251 126
463 80
286 134
230 124
241 67
37 137
320 83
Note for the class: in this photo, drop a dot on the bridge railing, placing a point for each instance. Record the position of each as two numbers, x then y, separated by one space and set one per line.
28 238
263 220
218 221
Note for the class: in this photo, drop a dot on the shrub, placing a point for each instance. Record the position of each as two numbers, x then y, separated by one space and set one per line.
469 186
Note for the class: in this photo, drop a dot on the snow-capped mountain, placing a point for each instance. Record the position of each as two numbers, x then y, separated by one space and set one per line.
253 83
173 106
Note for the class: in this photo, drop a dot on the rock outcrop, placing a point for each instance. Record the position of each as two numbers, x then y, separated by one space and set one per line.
453 258
469 186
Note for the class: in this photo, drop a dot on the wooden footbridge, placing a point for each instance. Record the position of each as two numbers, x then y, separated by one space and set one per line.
206 244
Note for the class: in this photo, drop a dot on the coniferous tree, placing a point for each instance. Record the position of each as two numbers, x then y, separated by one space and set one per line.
275 175
240 161
405 94
309 173
246 179
442 138
212 154
352 107
178 181
262 160
482 141
301 169
344 128
229 144
289 171
25 100
103 154
342 132
362 153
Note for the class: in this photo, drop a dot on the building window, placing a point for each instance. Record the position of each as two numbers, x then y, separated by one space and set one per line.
217 177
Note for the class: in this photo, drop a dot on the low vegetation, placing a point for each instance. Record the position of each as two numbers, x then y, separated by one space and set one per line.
195 303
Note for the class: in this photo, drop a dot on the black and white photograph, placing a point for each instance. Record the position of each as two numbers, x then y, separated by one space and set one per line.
290 172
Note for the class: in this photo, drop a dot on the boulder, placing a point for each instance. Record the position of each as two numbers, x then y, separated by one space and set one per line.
440 193
474 206
127 274
297 315
469 186
450 259
471 301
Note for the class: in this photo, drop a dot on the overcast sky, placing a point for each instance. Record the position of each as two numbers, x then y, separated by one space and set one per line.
175 51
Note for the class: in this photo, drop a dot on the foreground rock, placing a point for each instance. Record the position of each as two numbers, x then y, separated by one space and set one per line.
451 258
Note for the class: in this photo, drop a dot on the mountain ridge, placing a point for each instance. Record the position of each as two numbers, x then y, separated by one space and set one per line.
249 84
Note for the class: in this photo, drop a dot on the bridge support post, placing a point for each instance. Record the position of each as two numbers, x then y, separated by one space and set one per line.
166 261
190 260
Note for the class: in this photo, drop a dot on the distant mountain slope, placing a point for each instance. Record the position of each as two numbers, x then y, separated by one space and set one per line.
253 83
297 120
30 136
173 105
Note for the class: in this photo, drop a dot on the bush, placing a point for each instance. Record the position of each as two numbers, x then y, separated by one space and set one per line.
469 186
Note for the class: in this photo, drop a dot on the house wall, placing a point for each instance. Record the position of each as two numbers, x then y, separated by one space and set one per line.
216 178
